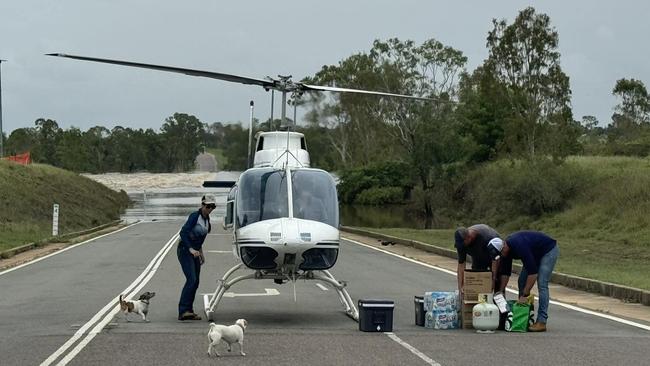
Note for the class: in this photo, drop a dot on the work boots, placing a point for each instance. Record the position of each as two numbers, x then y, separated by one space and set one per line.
537 327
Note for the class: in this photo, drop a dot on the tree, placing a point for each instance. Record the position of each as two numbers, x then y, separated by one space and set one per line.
524 57
182 135
71 153
95 140
635 101
47 135
20 141
372 128
483 110
629 132
357 131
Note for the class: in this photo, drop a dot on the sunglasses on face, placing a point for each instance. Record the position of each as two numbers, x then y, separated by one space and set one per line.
211 206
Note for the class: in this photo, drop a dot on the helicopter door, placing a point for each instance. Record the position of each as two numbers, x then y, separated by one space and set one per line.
230 209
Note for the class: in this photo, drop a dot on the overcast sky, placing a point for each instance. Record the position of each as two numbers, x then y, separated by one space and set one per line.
600 42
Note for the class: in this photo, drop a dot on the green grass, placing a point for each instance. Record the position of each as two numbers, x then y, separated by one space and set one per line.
27 194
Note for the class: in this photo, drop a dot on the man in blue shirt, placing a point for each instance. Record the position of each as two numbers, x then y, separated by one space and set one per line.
538 253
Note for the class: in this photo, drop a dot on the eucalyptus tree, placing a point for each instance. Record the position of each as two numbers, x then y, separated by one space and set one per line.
71 151
47 136
524 57
368 128
629 132
95 139
483 109
635 101
356 128
427 131
182 135
20 140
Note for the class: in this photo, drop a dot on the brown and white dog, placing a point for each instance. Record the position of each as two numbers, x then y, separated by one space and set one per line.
229 333
139 306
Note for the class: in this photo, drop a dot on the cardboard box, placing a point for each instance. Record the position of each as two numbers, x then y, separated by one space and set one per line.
466 312
476 282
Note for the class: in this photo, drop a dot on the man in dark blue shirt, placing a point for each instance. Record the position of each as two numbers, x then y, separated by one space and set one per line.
538 253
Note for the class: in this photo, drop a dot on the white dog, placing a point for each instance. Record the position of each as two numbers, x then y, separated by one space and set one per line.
229 333
140 306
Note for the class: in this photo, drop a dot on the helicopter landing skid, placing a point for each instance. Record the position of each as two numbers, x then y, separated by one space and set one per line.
211 302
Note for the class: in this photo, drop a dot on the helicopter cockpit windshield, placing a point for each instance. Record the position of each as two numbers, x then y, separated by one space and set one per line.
263 196
314 197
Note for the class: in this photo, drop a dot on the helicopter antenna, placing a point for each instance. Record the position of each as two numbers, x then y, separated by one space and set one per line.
250 134
272 102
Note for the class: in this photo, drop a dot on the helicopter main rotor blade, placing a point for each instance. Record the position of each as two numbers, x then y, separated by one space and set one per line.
346 90
208 74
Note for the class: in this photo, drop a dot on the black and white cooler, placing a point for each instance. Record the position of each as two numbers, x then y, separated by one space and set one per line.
376 315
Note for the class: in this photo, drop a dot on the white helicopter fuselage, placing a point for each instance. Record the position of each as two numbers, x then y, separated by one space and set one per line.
284 215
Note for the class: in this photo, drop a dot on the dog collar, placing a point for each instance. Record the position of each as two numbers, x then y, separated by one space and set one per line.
242 328
145 301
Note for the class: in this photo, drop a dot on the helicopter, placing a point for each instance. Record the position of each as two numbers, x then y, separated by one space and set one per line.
282 212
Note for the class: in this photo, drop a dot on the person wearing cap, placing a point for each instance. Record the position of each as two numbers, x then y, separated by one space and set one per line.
473 241
538 253
190 255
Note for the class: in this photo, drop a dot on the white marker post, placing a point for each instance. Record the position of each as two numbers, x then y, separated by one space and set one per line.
55 220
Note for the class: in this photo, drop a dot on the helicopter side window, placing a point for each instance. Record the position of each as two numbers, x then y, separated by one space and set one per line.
262 195
314 197
230 208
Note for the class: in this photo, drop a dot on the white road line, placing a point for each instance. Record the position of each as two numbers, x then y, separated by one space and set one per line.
146 274
64 250
219 251
268 292
567 306
320 285
413 350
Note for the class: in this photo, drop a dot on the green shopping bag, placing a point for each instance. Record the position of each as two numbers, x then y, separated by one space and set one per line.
520 317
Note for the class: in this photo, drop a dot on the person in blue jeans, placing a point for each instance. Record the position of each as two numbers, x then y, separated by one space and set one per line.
538 253
190 255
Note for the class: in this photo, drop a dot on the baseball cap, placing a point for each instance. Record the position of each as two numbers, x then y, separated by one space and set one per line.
208 199
494 248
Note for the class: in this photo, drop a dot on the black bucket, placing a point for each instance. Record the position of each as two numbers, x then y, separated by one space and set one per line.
419 310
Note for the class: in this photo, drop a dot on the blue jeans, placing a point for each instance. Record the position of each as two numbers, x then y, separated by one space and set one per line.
191 269
546 266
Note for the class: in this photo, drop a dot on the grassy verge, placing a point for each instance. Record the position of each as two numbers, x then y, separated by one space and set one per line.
27 194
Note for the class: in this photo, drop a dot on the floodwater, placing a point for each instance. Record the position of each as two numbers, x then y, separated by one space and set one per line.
175 196
174 203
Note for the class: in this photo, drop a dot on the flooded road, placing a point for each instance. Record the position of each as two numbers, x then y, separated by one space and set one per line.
158 197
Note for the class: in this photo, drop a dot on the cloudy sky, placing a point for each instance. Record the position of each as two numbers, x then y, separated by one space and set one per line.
600 42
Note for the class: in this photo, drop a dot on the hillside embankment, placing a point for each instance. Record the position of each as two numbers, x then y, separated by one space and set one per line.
27 196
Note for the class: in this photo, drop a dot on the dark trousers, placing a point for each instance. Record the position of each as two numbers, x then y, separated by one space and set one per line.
191 269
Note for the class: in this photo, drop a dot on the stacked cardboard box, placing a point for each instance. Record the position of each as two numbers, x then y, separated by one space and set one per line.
474 283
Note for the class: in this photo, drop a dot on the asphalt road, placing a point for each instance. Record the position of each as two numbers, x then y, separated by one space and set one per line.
44 305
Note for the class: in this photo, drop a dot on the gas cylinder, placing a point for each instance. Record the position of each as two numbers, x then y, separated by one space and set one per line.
485 317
